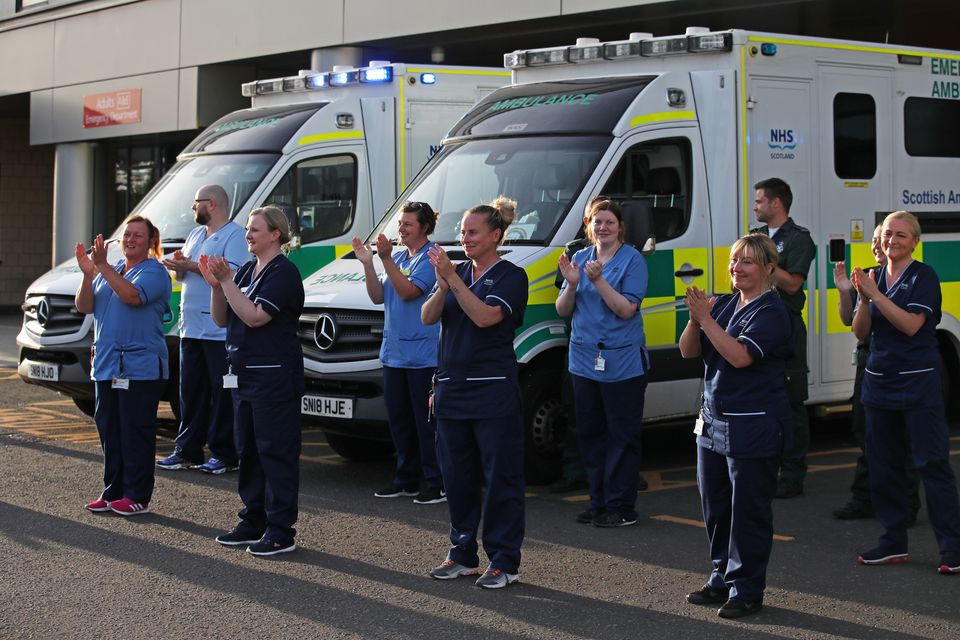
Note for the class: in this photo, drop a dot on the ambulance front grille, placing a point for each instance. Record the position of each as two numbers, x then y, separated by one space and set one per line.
341 335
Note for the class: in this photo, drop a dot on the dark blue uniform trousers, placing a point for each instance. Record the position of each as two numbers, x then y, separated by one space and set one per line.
268 440
737 498
127 423
406 393
472 452
609 421
206 407
889 487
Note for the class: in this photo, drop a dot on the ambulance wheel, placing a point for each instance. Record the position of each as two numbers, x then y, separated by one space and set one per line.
358 449
950 372
86 405
544 420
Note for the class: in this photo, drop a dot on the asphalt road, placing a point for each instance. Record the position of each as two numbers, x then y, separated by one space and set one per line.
360 570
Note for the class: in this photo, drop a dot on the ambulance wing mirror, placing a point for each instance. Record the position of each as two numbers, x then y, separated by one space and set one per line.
638 219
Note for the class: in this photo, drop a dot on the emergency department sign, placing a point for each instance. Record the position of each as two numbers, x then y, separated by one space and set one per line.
108 109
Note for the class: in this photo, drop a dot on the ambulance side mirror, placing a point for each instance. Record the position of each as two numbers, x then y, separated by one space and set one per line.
638 218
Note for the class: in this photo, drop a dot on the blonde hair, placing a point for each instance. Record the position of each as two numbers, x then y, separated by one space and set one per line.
500 214
907 217
761 249
276 220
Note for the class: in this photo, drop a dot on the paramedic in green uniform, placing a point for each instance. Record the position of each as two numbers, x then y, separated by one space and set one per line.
796 249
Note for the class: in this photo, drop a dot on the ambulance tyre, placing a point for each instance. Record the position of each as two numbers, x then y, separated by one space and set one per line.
172 393
358 449
86 405
950 377
544 421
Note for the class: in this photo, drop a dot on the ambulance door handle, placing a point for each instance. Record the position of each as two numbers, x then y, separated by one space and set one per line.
687 273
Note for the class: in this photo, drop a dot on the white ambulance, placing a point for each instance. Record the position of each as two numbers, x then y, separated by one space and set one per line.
332 149
678 129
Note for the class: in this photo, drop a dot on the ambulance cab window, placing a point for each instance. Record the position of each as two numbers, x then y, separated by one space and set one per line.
652 180
931 127
321 194
854 136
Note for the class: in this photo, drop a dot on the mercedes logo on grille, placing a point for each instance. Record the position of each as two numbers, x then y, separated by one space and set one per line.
43 311
325 333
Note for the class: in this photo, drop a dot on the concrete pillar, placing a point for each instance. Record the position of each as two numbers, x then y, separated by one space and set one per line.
72 198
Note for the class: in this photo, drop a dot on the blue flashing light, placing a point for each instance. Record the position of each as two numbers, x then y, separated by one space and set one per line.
768 49
341 78
318 81
428 78
376 74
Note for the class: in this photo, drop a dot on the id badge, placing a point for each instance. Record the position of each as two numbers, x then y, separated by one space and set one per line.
120 383
599 364
230 381
698 426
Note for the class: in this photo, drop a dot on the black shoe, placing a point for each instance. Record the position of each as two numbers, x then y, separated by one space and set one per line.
642 484
706 595
788 489
393 491
268 547
853 510
431 495
611 519
566 485
587 517
738 608
238 537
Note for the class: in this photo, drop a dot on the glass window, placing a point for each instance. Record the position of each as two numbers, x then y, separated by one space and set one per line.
931 127
544 175
652 180
321 194
169 204
854 135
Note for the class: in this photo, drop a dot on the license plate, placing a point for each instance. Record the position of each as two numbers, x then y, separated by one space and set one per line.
43 371
327 407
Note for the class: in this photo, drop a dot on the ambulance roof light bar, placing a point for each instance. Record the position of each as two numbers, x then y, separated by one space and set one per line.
378 71
695 40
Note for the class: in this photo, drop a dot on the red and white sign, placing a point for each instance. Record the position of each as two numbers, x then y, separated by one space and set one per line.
107 109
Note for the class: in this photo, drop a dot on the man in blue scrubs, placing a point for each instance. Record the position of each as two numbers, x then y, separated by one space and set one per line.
206 407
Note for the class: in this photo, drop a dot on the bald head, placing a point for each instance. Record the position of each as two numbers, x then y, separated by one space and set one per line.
211 206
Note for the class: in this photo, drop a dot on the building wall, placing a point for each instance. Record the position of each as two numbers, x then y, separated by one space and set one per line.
26 205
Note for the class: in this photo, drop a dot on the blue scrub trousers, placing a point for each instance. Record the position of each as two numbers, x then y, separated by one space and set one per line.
737 498
406 393
477 451
127 423
927 429
268 440
609 421
205 406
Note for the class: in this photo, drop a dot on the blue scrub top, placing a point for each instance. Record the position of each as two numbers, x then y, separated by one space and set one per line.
597 331
477 368
268 360
407 342
904 371
746 410
229 242
128 341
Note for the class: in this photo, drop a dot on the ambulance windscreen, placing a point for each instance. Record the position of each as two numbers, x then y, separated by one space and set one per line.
570 106
264 129
544 174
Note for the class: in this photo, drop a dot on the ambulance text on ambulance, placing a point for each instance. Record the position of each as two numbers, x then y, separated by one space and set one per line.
945 88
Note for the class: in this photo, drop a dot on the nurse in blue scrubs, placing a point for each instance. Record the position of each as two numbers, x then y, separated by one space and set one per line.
408 352
128 301
260 307
745 422
603 288
479 304
899 310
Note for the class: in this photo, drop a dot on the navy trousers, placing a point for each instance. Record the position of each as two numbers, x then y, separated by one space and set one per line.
737 498
406 393
927 429
127 423
268 440
609 421
206 407
474 451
